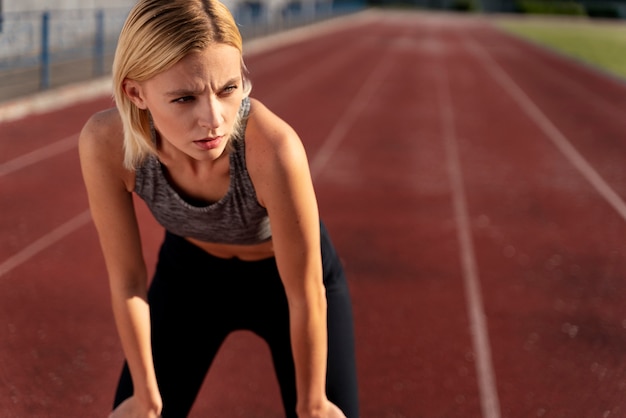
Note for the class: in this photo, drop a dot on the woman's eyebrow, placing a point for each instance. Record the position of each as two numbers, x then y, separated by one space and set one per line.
182 92
191 92
232 81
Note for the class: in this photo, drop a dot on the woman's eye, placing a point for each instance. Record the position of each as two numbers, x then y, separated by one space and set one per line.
230 89
184 99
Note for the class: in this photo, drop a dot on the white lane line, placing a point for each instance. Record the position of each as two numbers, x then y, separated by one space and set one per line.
489 401
594 99
548 128
349 116
44 242
54 99
38 155
288 87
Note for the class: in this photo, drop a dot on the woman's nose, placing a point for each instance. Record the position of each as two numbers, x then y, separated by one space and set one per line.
211 114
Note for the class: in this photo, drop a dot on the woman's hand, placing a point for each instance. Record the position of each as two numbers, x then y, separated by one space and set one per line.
132 408
334 411
330 411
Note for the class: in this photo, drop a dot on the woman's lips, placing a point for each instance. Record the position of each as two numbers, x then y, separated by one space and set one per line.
209 143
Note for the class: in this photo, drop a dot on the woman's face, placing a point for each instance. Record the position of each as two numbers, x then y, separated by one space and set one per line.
195 103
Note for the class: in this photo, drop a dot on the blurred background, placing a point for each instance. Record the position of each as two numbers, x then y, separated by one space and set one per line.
46 44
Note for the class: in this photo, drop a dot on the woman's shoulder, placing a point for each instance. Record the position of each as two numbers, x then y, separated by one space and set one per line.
267 133
103 127
102 136
101 143
274 151
277 162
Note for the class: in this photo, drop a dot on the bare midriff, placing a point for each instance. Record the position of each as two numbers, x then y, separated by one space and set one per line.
243 252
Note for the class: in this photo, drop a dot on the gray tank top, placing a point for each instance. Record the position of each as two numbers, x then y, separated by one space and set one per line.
237 218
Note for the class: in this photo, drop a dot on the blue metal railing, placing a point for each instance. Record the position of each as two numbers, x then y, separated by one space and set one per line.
99 43
39 41
35 41
45 51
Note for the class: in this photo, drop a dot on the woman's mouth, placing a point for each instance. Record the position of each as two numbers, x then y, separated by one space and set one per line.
209 143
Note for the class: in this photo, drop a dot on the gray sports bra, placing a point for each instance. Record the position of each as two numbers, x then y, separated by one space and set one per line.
237 218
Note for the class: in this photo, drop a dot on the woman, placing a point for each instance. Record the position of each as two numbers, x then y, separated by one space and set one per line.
244 247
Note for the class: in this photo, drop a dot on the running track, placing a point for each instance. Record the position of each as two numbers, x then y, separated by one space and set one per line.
474 185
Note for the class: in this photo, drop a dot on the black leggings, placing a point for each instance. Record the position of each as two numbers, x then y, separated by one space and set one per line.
197 300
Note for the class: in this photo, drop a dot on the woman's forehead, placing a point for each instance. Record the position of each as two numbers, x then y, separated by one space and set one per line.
214 57
214 63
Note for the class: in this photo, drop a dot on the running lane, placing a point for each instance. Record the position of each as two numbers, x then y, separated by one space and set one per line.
543 154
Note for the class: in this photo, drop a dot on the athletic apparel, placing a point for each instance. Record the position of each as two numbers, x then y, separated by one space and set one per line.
237 218
197 299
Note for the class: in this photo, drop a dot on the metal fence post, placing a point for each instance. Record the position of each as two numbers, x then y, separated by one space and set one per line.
99 44
44 81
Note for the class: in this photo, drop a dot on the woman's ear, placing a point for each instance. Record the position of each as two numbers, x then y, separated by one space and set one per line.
134 92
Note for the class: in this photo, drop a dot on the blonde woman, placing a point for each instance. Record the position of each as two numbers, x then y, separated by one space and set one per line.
244 247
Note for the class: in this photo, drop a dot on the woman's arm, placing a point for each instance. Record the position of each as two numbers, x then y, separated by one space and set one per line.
109 191
279 169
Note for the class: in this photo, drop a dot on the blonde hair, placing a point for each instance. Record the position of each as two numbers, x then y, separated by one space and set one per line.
156 35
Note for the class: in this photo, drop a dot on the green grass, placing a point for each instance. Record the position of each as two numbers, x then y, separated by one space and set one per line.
599 44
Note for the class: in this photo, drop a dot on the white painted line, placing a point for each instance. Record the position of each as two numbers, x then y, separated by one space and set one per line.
489 401
288 88
44 242
548 128
594 99
38 155
54 99
349 116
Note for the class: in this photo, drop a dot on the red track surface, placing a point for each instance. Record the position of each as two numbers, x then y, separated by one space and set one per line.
474 186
